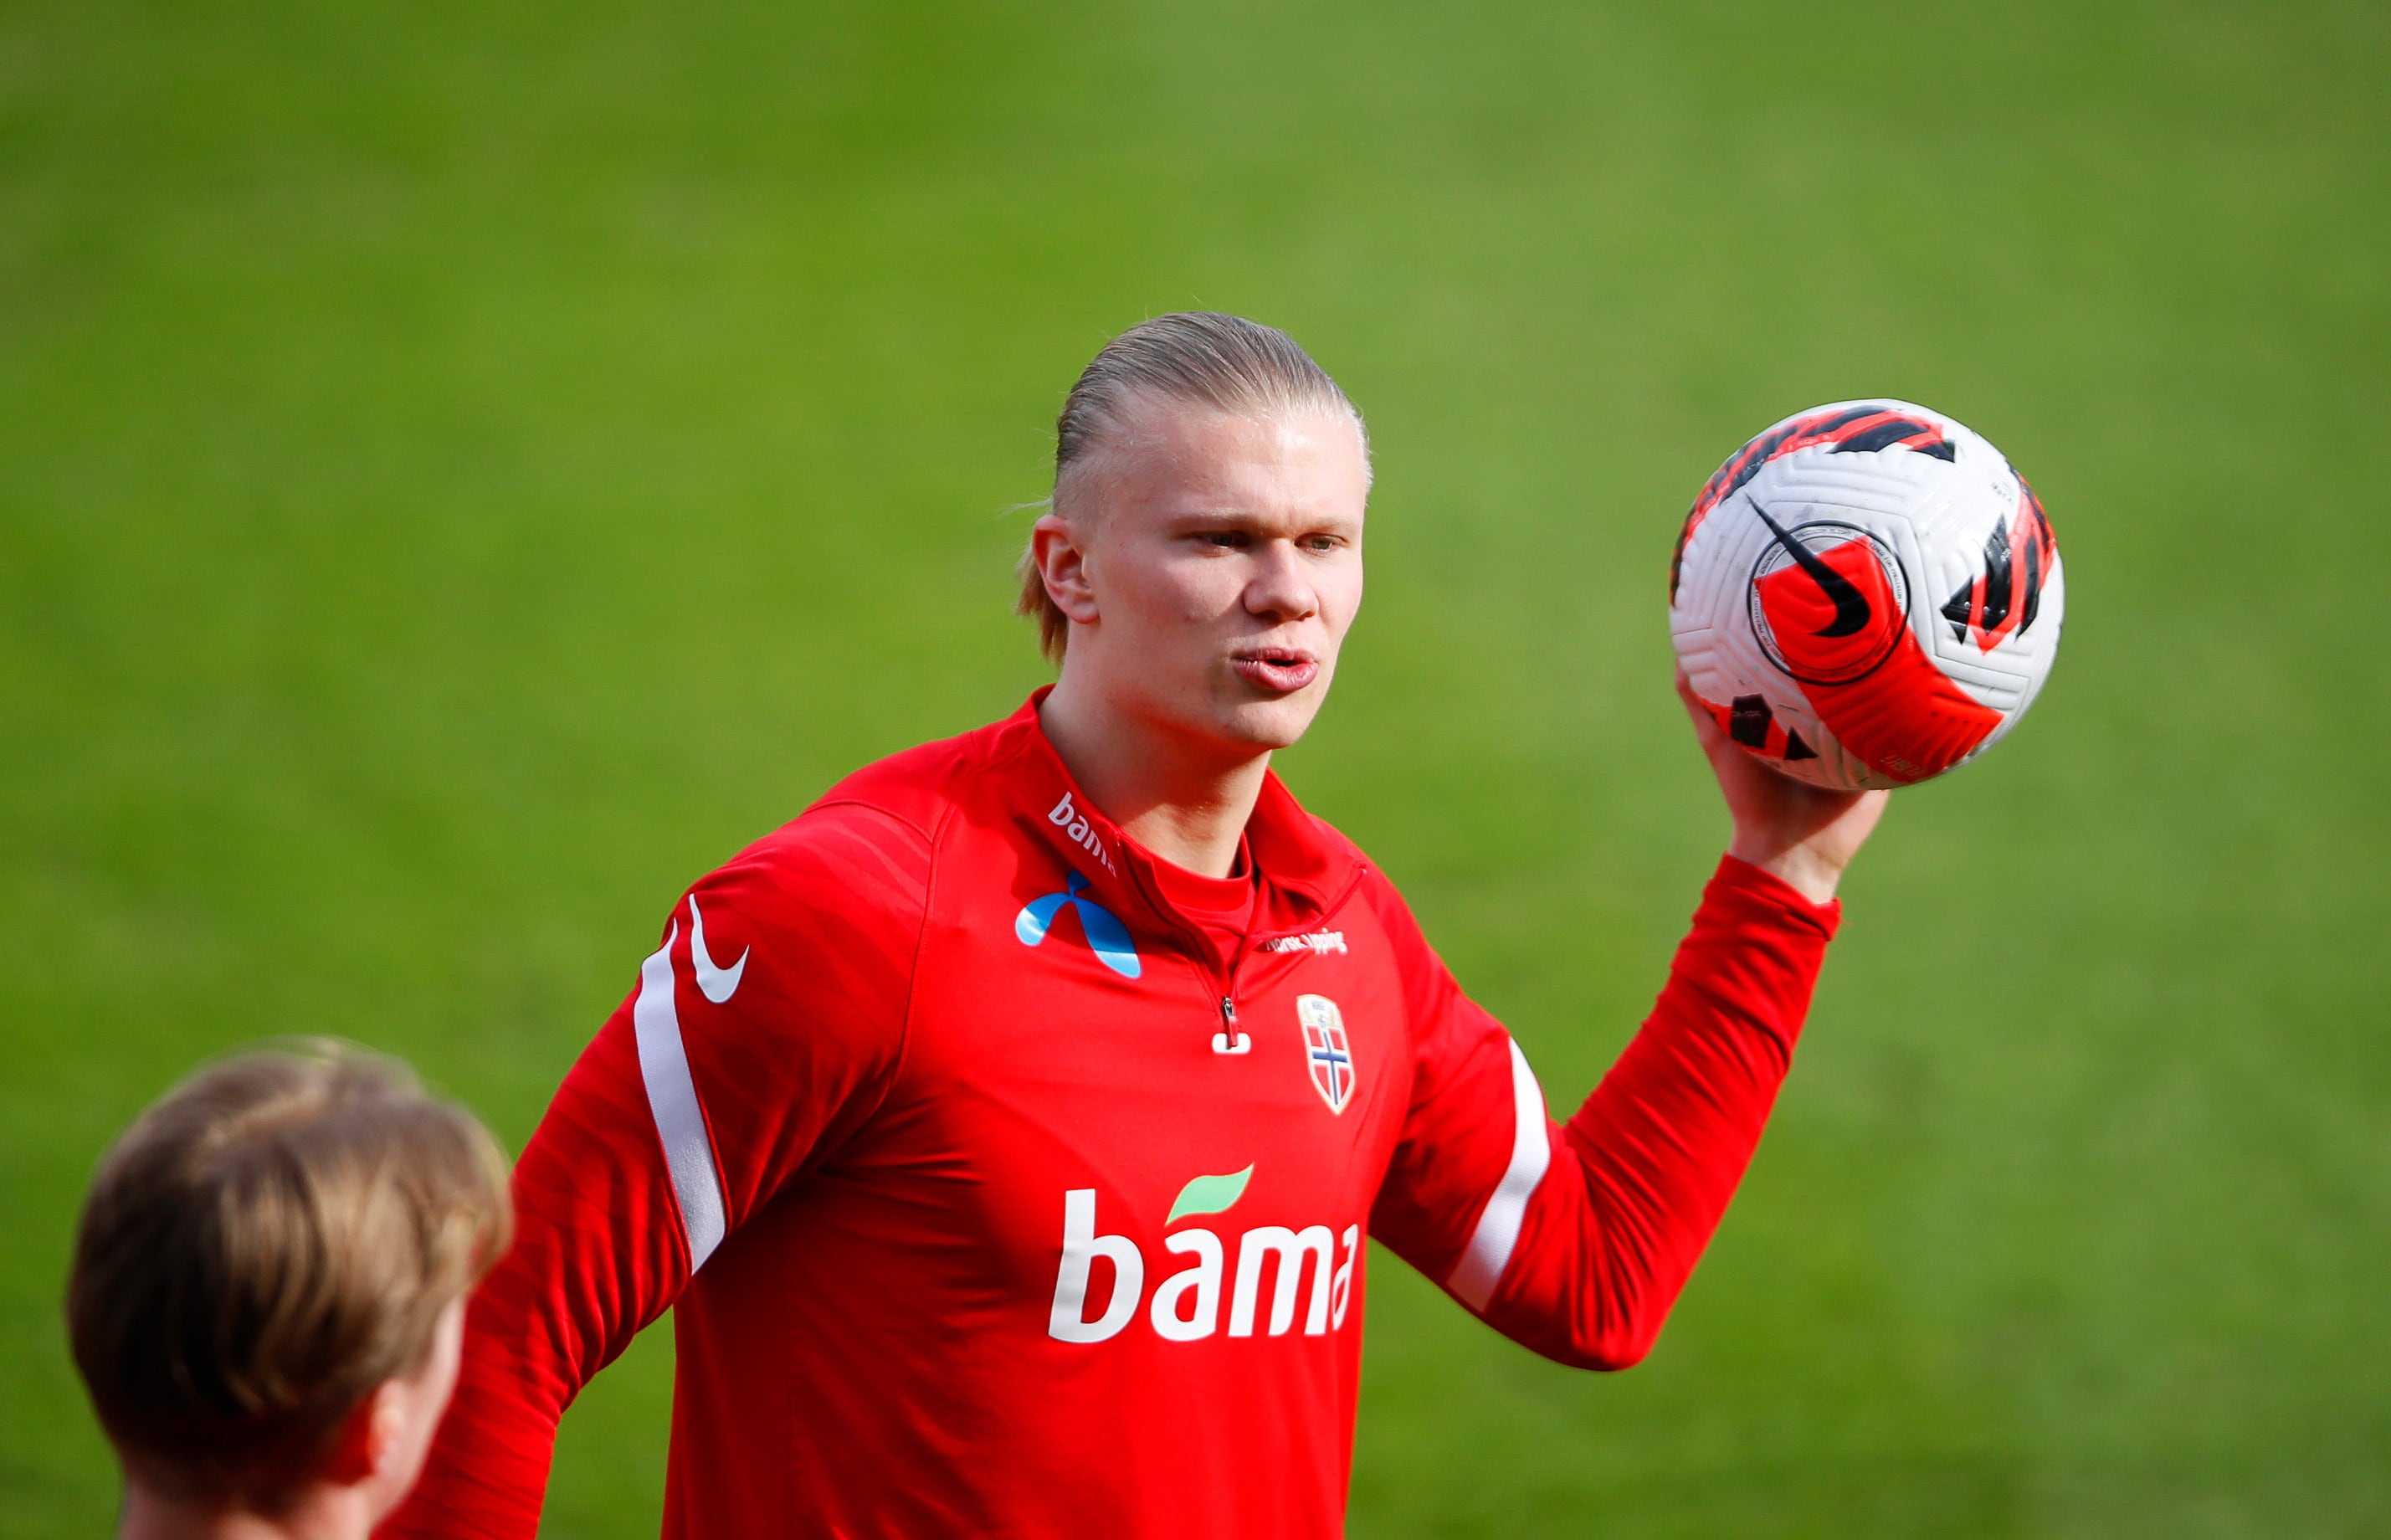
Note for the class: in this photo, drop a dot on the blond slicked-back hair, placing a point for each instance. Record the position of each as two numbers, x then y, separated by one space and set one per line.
271 1240
1199 357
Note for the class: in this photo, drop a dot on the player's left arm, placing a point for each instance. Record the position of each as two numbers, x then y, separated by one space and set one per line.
1575 1239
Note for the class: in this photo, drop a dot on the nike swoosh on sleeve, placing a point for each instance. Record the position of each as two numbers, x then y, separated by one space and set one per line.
716 984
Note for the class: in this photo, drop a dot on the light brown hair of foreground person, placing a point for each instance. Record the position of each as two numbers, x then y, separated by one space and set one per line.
270 1264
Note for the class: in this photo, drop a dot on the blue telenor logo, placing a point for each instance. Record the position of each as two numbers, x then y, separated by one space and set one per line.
1107 938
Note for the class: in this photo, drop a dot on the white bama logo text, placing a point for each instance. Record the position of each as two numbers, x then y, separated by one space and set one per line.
1185 1306
1075 827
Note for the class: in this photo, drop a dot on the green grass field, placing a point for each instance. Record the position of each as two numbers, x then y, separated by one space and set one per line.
468 469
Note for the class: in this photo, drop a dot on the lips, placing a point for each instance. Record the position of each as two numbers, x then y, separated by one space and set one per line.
1280 670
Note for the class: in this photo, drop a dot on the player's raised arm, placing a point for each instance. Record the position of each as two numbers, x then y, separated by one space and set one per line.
1575 1239
761 1033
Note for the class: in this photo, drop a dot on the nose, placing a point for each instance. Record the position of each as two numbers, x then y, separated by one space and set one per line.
1280 590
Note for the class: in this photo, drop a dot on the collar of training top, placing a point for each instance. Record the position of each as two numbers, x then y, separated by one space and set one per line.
1304 868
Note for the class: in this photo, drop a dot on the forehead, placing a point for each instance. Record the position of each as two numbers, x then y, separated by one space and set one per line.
1176 460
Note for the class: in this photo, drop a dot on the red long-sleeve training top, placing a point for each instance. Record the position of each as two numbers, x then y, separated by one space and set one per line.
1011 1181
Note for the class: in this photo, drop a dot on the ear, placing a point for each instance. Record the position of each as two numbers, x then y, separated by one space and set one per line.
1062 563
366 1437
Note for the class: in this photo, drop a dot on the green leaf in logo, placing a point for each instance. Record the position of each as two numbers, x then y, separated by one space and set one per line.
1208 1195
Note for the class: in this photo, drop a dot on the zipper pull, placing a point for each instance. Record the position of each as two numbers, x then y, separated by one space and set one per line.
1228 1039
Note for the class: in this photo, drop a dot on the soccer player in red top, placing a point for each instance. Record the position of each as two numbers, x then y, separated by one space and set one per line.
1006 1129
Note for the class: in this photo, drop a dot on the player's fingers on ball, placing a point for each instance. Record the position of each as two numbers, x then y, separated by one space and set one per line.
1706 727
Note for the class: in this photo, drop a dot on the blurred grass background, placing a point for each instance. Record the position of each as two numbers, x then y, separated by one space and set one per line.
469 468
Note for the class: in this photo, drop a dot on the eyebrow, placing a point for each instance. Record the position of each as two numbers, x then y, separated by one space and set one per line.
1232 515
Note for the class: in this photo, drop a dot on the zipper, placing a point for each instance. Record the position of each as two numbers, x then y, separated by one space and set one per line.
1228 1039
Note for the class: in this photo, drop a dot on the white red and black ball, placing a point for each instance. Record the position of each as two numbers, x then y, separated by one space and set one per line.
1867 595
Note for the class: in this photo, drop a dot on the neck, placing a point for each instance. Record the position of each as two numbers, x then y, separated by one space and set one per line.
1186 802
319 1513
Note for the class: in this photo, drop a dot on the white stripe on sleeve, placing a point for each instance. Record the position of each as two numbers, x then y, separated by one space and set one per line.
1498 1227
672 1098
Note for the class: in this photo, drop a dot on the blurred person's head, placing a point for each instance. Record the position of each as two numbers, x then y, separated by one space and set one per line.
1201 560
268 1294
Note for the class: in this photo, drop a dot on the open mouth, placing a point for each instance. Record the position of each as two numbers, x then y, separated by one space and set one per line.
1281 670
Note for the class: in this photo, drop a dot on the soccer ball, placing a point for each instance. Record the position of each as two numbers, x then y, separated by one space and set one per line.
1866 595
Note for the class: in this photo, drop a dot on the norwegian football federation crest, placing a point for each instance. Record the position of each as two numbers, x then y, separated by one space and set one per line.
1326 1049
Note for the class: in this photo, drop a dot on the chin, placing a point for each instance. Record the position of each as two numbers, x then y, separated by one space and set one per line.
1273 724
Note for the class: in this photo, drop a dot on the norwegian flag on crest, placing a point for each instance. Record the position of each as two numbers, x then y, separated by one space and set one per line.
1326 1049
